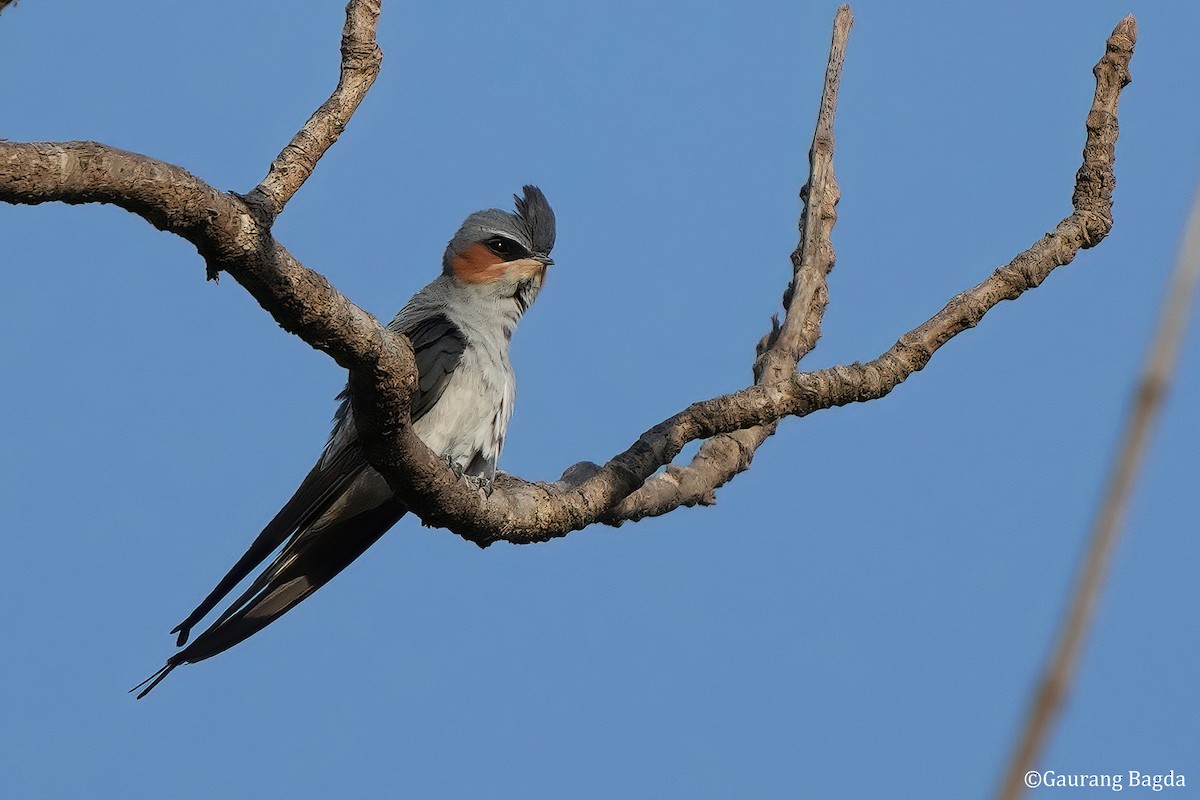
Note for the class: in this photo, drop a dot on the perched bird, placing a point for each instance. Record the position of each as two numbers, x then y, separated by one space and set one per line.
460 327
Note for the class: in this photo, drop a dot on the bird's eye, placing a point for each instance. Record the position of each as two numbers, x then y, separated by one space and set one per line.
500 247
505 248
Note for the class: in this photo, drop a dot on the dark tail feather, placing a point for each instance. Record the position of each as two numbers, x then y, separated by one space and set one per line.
263 546
155 679
322 484
304 566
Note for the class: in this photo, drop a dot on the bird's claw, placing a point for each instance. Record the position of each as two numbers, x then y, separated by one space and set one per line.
482 483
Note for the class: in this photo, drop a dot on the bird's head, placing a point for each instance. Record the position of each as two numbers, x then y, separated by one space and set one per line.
507 252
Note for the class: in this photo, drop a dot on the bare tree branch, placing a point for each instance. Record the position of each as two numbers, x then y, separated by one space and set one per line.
361 60
813 257
723 457
233 238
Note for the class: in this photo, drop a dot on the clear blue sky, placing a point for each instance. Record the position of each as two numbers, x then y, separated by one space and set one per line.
863 613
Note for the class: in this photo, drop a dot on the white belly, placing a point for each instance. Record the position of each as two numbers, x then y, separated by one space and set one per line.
468 420
472 414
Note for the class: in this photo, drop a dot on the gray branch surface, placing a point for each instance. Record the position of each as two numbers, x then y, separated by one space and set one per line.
724 456
361 60
233 235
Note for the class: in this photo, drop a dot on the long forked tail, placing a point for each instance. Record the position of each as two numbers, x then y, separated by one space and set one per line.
156 678
306 564
327 481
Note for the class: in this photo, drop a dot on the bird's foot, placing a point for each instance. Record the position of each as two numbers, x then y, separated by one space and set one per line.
482 483
454 466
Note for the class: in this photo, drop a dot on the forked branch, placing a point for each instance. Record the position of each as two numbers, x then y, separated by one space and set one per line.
233 235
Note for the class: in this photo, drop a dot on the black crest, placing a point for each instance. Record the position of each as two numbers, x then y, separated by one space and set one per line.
535 212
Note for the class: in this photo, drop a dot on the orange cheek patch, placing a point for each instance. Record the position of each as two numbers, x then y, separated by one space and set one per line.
477 264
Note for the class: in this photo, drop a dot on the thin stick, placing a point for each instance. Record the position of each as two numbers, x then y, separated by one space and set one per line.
1151 391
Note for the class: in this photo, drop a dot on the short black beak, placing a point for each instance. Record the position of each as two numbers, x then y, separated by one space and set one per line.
547 260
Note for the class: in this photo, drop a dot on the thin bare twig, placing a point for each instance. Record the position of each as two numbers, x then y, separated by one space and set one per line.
361 60
813 257
1151 390
723 457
